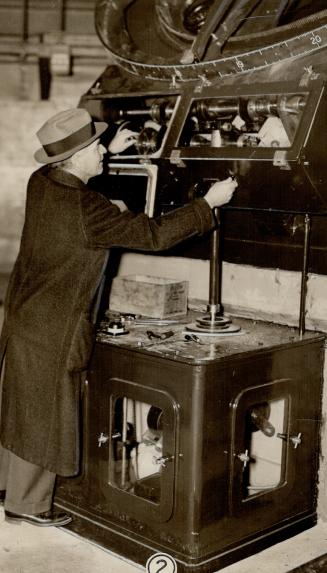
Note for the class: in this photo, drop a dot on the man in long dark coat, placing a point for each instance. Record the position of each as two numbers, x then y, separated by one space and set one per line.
48 333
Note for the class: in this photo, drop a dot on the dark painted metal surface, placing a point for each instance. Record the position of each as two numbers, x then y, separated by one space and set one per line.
172 52
264 224
199 511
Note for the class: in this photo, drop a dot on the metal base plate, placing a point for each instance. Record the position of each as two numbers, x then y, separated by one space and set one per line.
195 328
217 322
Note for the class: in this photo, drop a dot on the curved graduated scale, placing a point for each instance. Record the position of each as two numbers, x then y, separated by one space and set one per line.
118 29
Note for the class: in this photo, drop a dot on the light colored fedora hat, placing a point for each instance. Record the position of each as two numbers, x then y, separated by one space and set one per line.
65 133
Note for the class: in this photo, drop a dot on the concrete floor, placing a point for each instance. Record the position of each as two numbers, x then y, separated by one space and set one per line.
28 549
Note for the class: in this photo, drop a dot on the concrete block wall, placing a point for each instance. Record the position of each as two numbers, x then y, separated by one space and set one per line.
18 123
16 143
266 294
21 114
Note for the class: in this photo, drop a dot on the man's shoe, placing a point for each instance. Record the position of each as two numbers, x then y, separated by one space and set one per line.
2 496
47 519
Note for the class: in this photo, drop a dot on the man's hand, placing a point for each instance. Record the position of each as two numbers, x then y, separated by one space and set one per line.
123 139
220 192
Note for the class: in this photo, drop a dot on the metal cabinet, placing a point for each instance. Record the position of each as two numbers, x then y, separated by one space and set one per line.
208 460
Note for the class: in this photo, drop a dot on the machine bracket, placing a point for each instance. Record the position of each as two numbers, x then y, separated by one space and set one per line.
175 158
280 160
204 82
174 83
309 74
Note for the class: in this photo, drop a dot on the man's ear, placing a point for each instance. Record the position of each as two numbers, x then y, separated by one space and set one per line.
77 158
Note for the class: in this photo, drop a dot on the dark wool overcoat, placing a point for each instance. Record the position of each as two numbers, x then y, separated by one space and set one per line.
47 335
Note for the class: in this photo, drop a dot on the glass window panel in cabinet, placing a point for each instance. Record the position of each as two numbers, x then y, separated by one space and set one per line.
136 448
266 422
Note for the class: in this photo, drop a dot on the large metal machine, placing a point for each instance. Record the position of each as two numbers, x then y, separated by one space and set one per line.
201 449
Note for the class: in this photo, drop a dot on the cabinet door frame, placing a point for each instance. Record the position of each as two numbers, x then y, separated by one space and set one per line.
287 389
128 502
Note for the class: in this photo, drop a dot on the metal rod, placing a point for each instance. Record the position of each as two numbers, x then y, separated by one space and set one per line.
272 210
232 21
62 12
124 440
214 17
304 277
25 20
214 306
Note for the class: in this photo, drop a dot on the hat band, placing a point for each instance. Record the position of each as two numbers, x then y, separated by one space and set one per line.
68 143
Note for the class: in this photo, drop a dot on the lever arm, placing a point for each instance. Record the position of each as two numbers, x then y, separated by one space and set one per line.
213 19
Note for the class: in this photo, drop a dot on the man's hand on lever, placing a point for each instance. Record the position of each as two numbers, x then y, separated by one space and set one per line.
221 192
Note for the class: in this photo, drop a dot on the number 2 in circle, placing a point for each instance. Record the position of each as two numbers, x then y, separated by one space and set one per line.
161 563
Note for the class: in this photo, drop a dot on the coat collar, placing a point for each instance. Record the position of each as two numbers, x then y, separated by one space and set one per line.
64 178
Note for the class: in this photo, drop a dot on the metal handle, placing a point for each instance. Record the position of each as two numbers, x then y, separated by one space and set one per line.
102 439
244 457
296 440
163 460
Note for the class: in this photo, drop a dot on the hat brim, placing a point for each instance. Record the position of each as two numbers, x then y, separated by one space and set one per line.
42 157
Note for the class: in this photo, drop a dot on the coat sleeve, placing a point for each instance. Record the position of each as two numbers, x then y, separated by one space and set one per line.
105 226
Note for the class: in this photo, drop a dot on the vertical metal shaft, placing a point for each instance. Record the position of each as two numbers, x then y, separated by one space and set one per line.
25 31
124 440
214 306
62 14
214 322
304 277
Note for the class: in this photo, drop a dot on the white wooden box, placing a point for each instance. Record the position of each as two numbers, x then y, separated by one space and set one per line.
156 297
